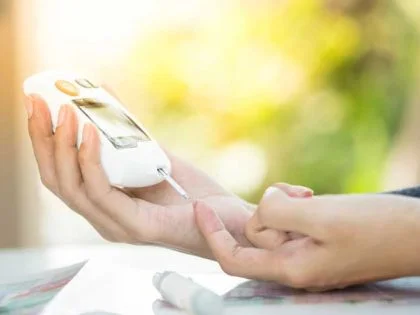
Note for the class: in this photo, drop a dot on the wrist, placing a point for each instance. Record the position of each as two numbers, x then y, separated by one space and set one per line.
417 240
413 237
400 237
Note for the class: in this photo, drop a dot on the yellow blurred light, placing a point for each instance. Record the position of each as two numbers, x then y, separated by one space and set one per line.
240 167
86 33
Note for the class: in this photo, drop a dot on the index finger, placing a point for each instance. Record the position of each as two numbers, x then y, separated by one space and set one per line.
278 211
269 238
41 134
247 262
263 237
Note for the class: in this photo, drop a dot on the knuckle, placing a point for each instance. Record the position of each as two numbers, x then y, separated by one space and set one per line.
111 234
249 230
86 162
140 236
48 182
264 211
110 237
253 225
98 196
67 192
83 156
269 204
126 239
107 237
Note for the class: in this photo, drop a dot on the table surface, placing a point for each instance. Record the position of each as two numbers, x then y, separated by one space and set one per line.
19 263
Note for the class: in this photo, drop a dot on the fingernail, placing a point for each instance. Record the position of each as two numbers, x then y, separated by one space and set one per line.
87 134
35 97
303 192
210 221
62 115
269 191
29 106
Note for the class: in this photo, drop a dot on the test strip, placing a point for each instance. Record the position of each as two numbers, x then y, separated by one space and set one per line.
174 184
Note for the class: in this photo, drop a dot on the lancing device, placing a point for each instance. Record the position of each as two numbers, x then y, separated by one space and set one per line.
129 155
187 295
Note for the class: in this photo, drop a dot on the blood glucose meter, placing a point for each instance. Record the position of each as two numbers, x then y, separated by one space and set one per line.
129 155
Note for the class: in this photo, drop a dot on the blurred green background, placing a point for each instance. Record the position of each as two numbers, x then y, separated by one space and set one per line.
304 91
321 93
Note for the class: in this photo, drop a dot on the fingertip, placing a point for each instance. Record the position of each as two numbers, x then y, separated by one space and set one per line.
270 191
85 146
39 106
304 192
86 135
295 191
206 218
36 98
39 118
89 135
274 192
73 117
28 106
88 152
62 115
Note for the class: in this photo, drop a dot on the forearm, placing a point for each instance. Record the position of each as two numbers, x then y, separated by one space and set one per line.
414 250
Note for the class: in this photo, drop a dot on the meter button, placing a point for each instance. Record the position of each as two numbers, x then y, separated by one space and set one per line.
67 87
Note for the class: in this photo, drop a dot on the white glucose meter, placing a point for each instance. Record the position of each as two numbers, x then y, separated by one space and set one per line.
129 155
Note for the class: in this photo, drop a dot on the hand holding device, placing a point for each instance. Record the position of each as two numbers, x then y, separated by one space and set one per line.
152 215
129 155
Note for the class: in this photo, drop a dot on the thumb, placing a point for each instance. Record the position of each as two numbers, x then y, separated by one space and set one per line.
295 190
263 237
279 211
247 262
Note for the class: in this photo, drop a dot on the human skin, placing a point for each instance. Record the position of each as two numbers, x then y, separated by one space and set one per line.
346 240
152 215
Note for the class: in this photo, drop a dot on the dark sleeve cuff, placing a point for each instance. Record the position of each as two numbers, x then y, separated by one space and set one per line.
409 192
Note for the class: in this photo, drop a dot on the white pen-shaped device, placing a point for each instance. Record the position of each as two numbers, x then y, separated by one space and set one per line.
187 295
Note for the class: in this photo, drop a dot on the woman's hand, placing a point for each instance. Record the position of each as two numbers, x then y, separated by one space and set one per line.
149 215
349 239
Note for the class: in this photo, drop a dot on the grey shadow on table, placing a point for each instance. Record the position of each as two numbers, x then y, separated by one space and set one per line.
161 307
253 293
406 290
99 313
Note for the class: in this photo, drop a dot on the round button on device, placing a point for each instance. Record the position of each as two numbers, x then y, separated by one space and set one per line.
67 87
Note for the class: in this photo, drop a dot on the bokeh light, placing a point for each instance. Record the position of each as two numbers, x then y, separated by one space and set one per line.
309 92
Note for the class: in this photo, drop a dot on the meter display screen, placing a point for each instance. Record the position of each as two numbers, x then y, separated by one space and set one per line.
118 127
